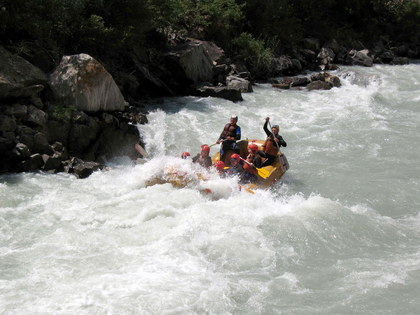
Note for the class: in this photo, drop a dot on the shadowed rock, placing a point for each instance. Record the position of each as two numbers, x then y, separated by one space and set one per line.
18 77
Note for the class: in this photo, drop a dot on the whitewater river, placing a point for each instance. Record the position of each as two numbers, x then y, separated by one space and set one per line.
339 234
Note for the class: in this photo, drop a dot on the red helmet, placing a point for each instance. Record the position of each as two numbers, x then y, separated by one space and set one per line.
253 147
185 155
219 165
235 156
205 148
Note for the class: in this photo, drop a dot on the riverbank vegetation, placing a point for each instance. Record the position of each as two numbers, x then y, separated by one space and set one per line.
251 29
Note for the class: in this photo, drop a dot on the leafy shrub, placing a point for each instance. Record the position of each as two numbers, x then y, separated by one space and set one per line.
254 51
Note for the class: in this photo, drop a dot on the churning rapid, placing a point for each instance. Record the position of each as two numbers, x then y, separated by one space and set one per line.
339 234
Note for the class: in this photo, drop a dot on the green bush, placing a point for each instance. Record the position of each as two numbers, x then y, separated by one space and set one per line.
61 112
256 55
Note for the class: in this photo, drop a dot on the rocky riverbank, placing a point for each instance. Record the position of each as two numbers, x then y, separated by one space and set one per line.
76 117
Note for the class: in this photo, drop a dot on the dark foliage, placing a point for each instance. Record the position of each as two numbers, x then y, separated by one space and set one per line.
111 30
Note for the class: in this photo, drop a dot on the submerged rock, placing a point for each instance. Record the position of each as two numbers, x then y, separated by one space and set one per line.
83 169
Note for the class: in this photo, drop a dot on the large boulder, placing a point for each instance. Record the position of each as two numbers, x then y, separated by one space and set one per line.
319 85
34 163
290 82
35 117
18 77
224 92
190 63
284 65
217 54
83 82
82 169
83 132
359 58
326 56
237 83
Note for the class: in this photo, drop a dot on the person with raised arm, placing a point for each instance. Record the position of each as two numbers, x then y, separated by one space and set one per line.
272 144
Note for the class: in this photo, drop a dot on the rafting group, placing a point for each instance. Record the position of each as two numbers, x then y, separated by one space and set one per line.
257 163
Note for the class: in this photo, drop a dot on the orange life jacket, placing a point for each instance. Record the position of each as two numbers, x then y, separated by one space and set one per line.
270 147
250 169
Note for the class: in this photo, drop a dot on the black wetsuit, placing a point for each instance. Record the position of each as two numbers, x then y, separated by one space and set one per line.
271 149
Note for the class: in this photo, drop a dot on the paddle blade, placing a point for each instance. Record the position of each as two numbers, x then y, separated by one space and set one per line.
263 172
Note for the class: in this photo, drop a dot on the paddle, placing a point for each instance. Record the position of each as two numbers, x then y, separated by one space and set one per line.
246 189
140 150
261 171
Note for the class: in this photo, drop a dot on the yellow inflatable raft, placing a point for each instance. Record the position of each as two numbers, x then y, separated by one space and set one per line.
273 172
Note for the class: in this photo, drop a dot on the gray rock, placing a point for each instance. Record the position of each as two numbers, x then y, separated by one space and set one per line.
400 61
83 169
283 86
282 65
35 100
334 80
58 146
41 144
326 56
360 58
297 81
334 45
83 132
83 82
36 117
220 92
22 151
319 85
58 131
34 162
18 77
217 54
190 61
7 124
237 83
52 162
16 110
328 78
26 135
297 64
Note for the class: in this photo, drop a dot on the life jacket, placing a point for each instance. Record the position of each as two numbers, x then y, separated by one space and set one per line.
270 147
235 170
250 169
203 161
229 131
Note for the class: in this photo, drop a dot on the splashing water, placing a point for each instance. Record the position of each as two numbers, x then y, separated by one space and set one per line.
339 234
